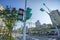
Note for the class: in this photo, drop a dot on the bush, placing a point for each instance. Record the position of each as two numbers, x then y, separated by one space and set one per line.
6 37
36 34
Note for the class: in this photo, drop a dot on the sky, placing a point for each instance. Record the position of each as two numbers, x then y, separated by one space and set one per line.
35 5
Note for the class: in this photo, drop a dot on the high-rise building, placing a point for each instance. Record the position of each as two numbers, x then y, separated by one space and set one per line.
55 17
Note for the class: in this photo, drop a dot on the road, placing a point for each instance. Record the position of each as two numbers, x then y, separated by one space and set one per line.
18 36
34 38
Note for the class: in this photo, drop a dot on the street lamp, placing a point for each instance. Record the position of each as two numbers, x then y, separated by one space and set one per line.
46 7
43 10
50 16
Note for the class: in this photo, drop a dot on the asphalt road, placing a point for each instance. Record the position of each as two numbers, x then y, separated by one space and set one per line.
31 38
28 37
18 36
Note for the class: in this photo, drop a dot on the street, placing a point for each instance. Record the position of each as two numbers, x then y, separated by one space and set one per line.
28 37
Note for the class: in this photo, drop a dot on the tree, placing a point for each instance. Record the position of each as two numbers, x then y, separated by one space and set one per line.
10 16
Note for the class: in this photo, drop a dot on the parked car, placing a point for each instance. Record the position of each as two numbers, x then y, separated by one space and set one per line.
52 33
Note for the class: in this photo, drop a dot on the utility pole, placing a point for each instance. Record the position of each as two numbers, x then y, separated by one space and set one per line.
24 18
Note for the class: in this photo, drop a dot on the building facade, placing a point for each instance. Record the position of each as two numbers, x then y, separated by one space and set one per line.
37 24
55 17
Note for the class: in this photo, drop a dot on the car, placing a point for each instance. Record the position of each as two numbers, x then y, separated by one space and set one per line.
52 33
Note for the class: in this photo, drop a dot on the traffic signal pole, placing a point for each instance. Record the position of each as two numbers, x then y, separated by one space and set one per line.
24 18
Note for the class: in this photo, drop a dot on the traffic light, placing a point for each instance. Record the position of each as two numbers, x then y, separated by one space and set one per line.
21 11
28 13
20 14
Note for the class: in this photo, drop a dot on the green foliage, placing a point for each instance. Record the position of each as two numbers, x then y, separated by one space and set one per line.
10 16
37 34
52 28
58 27
6 37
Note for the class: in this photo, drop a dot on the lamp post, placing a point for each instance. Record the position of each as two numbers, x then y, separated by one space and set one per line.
55 25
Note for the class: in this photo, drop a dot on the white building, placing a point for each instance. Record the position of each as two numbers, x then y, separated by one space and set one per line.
37 24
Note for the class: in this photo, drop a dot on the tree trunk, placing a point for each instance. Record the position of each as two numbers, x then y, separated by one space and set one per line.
10 34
